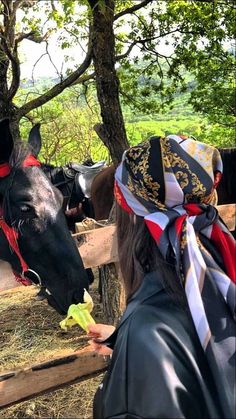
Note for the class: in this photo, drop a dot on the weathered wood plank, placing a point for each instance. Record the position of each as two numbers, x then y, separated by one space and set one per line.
38 379
228 214
97 247
89 224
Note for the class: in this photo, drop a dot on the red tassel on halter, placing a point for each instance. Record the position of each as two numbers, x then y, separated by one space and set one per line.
4 169
30 161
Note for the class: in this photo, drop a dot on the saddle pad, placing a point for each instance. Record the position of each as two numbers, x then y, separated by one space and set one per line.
82 169
85 179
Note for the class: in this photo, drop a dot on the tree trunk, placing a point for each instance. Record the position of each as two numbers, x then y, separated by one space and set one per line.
4 105
111 131
111 287
15 127
107 83
112 293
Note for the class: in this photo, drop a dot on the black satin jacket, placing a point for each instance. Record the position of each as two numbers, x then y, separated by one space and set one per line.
158 368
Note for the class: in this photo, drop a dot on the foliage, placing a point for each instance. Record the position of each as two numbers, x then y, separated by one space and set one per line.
67 129
163 49
196 35
196 127
67 126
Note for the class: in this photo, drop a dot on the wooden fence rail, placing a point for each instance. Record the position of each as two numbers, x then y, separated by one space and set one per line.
38 379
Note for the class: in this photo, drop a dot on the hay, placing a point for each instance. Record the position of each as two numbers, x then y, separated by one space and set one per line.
30 333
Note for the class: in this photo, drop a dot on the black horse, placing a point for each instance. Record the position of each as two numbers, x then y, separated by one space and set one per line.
227 187
76 205
73 180
34 237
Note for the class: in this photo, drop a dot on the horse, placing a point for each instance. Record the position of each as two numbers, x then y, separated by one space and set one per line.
34 237
227 187
102 197
73 180
76 205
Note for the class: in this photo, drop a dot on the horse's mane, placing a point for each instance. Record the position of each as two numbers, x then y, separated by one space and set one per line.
47 166
19 153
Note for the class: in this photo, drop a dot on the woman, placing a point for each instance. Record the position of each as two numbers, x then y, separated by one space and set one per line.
173 351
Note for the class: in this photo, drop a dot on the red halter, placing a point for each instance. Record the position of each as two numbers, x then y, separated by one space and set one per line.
4 169
10 233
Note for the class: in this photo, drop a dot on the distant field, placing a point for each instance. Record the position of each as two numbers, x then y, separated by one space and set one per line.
191 125
138 131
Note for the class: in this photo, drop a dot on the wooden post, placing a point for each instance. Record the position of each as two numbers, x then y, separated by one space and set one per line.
97 247
228 214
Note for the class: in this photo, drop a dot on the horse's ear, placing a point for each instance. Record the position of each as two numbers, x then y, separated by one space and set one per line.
6 140
35 139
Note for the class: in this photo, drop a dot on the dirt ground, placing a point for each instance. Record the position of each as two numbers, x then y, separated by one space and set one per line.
30 333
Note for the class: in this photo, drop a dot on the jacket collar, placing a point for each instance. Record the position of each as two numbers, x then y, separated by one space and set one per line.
150 286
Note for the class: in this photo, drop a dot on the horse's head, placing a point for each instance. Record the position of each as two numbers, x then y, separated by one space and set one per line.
32 217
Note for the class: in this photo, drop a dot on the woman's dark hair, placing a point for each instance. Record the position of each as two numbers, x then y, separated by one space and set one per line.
139 254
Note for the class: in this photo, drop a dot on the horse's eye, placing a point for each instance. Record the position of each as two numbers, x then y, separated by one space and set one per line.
25 208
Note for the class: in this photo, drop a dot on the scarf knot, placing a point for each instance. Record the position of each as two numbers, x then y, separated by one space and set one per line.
201 215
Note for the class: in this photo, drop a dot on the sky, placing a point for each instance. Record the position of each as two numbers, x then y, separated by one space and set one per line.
30 52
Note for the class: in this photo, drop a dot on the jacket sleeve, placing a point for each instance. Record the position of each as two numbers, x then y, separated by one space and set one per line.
154 372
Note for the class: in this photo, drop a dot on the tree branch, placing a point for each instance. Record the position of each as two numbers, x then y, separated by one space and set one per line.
17 4
102 133
51 61
36 62
125 54
31 36
15 68
133 8
83 79
58 88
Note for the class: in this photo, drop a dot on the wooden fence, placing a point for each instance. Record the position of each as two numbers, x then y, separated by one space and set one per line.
96 248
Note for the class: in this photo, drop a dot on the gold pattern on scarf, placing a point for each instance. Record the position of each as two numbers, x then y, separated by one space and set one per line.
182 179
172 160
144 187
206 155
211 199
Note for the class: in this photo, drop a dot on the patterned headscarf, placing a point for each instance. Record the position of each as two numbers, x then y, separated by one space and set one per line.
171 183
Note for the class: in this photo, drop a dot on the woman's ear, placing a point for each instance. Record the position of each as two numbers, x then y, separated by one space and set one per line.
6 141
217 178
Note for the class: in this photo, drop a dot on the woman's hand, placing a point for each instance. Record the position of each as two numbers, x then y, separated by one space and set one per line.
99 332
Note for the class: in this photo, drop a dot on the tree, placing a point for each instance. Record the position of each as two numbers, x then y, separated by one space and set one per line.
112 130
115 36
9 59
